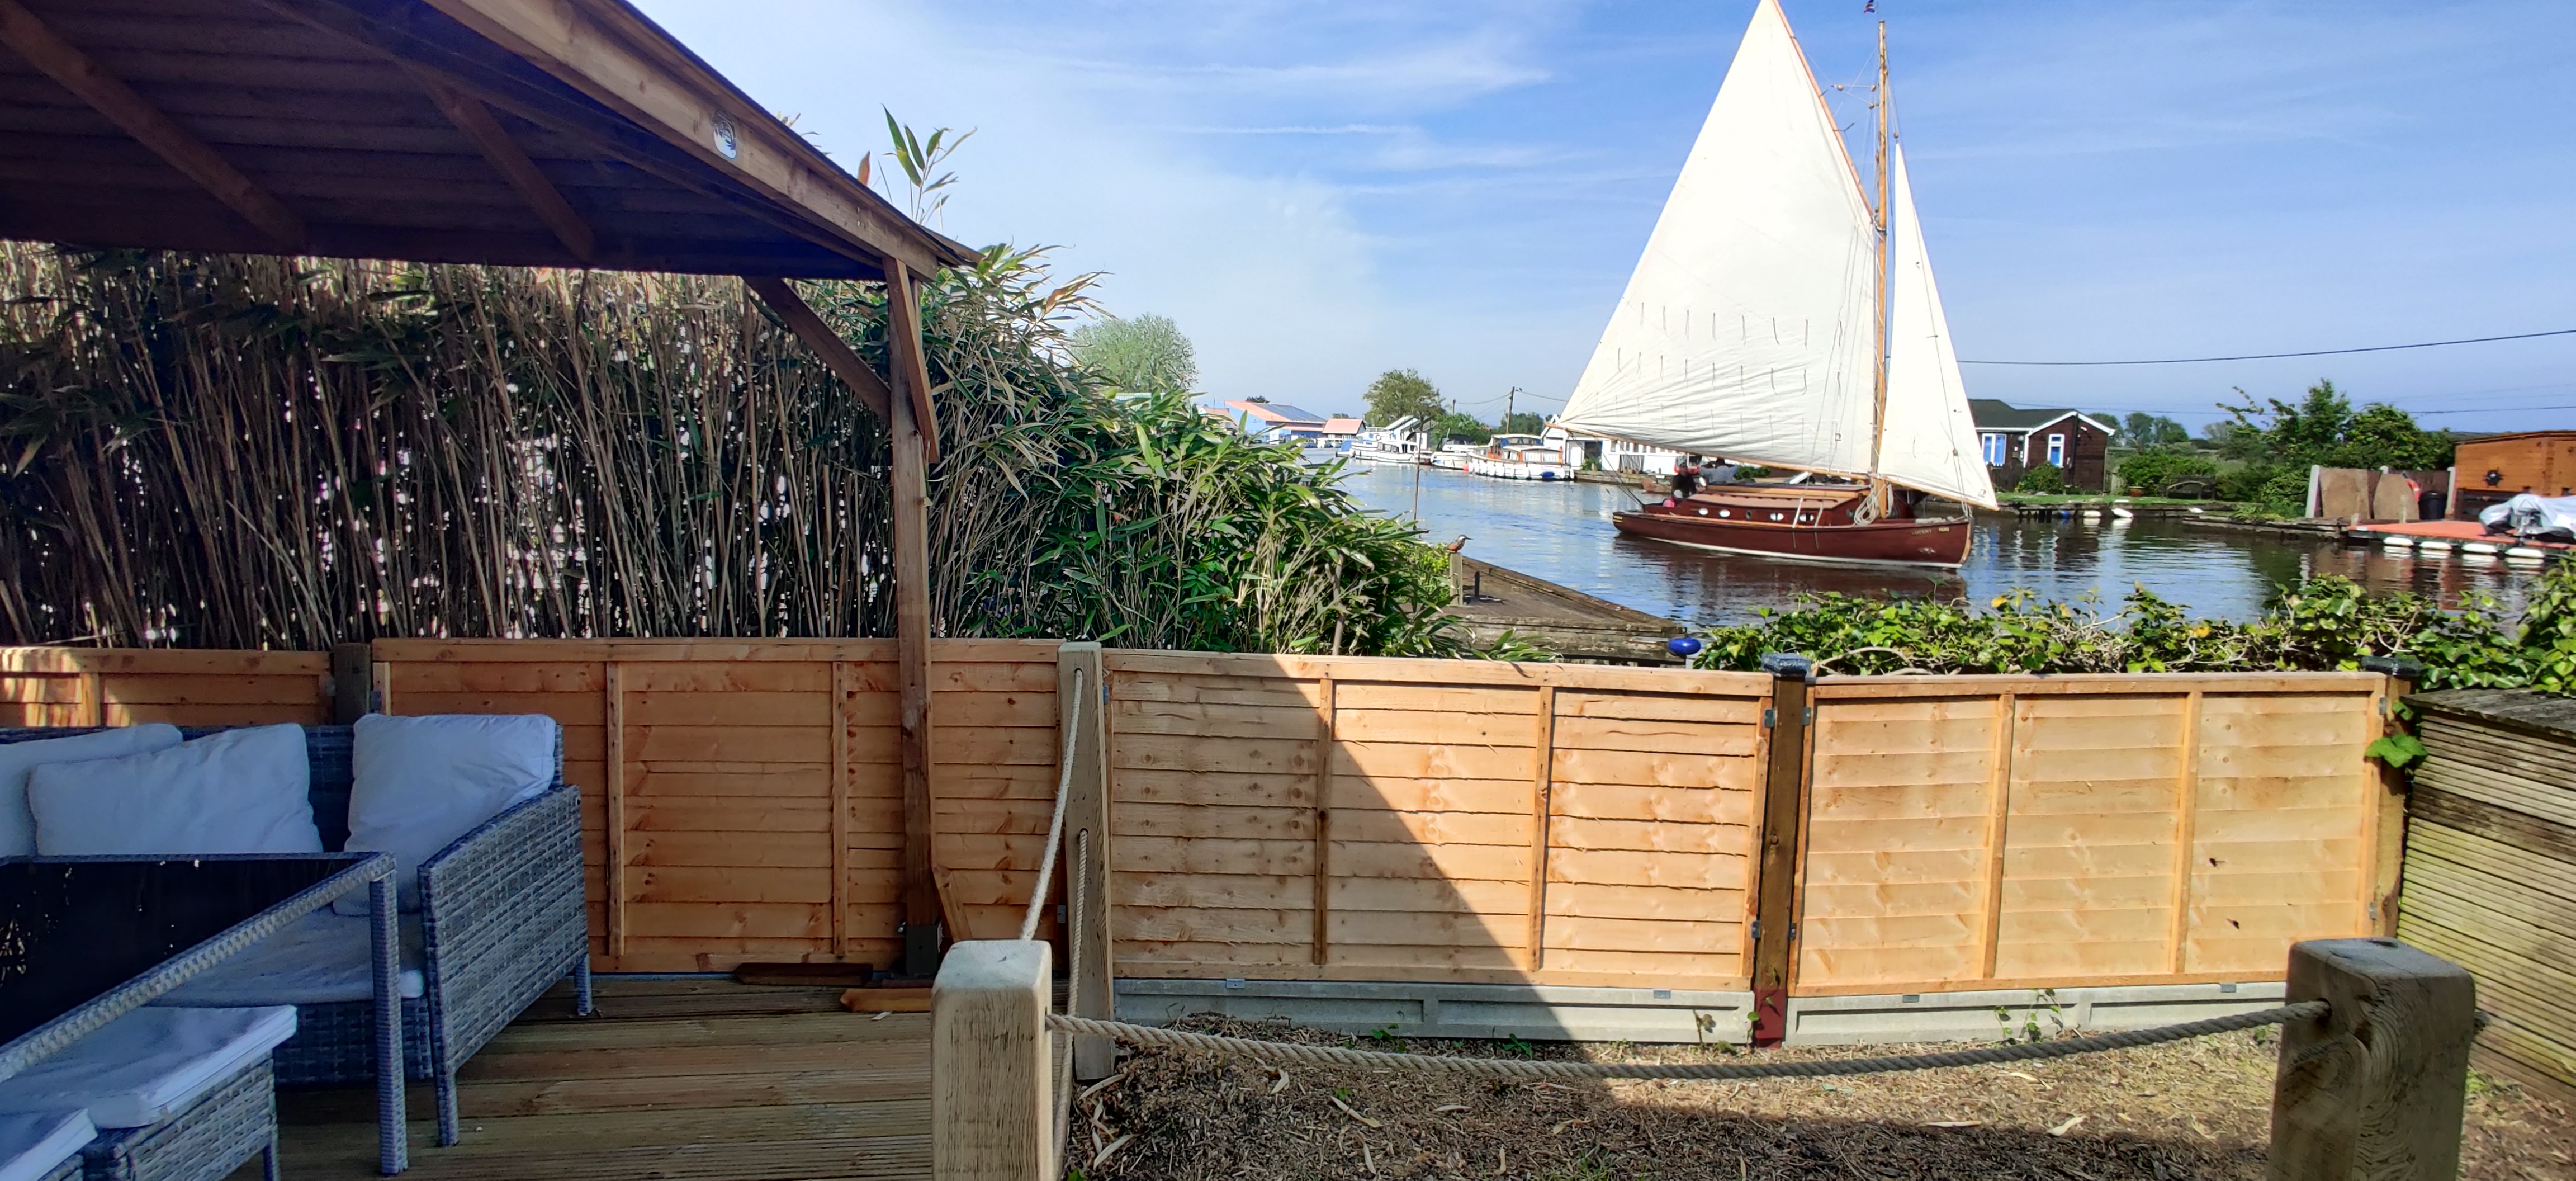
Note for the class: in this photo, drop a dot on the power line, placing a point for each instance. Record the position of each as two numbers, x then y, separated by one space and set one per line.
2384 348
2486 410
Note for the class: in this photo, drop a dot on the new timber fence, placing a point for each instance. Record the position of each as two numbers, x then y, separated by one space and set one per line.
1338 821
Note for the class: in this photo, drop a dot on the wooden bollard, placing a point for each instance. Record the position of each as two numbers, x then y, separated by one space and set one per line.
991 1111
2373 1091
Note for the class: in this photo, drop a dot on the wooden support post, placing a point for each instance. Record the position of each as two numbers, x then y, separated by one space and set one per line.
353 682
1990 900
1323 865
382 678
2388 788
2374 1090
910 364
147 124
1775 882
1542 775
992 1114
613 794
1093 967
910 497
845 695
89 701
2186 833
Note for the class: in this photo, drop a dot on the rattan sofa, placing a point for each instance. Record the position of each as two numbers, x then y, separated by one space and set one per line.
502 919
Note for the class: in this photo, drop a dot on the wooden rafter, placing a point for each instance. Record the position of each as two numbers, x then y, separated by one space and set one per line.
903 329
505 155
107 94
818 336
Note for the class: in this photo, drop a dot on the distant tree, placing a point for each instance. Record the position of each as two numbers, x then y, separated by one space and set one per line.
1402 393
2385 436
1525 422
2323 428
2141 429
2303 433
1143 354
1455 427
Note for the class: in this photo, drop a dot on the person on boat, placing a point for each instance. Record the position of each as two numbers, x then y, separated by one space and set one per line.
1723 474
1685 478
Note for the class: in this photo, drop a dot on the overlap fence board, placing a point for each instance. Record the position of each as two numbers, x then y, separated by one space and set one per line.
1967 832
1350 818
2490 879
1364 819
124 687
757 787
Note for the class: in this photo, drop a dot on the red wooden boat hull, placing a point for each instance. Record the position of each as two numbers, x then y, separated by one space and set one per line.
1913 542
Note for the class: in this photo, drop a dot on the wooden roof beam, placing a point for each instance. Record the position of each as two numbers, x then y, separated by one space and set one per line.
505 155
827 344
79 73
905 356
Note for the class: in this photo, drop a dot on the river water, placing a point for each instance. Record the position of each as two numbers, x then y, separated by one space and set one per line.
1562 533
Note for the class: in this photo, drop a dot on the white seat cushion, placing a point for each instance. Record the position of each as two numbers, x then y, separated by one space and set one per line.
320 959
240 791
17 824
423 782
35 1144
150 1064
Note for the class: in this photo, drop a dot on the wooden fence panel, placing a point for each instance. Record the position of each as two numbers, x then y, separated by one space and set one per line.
757 811
123 687
1367 819
1995 832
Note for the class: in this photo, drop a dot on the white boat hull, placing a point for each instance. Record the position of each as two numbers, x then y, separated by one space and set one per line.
1506 469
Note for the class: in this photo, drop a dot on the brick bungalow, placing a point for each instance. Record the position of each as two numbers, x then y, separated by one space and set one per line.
2014 440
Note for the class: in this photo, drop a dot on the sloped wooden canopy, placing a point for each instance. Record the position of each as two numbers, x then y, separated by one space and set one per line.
512 132
557 133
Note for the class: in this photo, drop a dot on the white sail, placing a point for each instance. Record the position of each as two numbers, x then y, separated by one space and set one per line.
1931 441
1747 330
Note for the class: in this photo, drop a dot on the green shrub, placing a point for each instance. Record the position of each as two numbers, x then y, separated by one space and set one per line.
2150 473
2324 623
2045 479
2245 484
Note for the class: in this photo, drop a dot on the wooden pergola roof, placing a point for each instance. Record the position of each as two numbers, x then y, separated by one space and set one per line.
500 132
513 132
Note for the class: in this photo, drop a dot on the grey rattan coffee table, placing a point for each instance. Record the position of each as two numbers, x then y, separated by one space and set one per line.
85 940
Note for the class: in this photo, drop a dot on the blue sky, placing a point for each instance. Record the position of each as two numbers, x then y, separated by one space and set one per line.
1320 190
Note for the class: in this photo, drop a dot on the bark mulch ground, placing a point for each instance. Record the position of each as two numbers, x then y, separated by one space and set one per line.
2196 1109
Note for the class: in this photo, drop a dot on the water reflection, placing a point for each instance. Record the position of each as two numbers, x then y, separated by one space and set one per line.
1562 533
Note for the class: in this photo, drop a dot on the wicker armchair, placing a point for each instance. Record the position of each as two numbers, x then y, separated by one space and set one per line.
502 919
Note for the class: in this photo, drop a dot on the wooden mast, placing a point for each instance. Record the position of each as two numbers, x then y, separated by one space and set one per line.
1879 497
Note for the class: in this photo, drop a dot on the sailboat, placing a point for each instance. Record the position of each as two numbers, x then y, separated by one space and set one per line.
1778 317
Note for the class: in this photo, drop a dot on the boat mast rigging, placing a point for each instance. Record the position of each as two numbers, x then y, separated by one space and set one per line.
1878 489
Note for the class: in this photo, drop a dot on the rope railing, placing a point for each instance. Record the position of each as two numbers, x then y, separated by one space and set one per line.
1503 1068
1055 826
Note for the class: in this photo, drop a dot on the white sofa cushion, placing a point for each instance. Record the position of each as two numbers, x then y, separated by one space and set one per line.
35 1144
322 958
150 1064
240 791
17 824
423 782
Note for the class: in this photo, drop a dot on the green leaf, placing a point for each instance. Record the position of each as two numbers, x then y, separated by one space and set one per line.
2396 750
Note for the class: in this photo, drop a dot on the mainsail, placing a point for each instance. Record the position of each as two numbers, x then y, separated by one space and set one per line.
1747 330
1931 440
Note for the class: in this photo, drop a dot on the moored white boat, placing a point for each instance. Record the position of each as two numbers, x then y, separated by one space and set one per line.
1396 442
1519 457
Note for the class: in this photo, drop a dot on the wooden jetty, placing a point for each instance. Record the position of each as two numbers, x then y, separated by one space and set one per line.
1493 600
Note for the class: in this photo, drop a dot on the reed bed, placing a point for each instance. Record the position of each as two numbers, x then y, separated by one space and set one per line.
242 452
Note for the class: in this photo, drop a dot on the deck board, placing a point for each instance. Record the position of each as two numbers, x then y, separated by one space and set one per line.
675 1079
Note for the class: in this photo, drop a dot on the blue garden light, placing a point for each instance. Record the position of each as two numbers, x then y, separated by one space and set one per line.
1683 646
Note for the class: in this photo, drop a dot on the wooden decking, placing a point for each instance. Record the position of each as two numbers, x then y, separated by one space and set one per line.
674 1079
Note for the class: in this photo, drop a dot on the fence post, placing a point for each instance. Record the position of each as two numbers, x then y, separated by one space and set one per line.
1775 881
2373 1091
353 682
991 1111
2388 854
1086 853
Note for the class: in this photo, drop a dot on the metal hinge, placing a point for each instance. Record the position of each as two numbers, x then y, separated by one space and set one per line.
1769 716
1757 930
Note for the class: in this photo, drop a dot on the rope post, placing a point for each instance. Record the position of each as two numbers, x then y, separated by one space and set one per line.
1783 823
2373 1089
1086 850
991 1102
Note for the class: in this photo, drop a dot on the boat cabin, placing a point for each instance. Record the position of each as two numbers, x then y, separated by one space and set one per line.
2014 440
